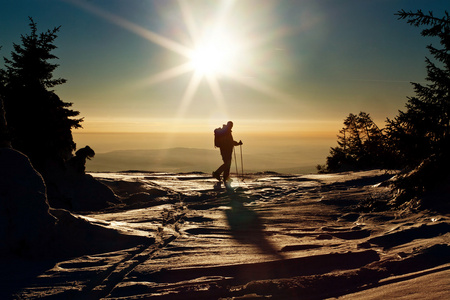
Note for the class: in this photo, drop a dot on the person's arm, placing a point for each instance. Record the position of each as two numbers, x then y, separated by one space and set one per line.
234 142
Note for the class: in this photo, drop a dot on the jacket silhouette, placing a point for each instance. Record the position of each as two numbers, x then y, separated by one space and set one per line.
226 143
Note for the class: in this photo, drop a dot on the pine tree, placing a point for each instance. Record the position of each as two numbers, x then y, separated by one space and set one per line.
420 136
423 130
4 140
360 145
39 121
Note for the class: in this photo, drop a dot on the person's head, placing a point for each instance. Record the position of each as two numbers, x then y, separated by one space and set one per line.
230 124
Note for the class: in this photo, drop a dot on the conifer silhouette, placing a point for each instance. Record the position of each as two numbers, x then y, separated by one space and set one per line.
360 145
423 130
420 136
39 121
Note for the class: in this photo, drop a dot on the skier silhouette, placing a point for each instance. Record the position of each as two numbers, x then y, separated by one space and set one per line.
224 140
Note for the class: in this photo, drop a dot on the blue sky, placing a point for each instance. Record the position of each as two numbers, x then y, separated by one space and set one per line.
302 65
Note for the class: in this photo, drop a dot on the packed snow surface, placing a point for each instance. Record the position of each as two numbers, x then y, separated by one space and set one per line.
274 236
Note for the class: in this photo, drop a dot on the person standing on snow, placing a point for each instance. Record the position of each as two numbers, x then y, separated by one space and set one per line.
224 140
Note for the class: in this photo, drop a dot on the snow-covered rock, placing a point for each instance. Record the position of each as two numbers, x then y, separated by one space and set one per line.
25 221
75 191
30 227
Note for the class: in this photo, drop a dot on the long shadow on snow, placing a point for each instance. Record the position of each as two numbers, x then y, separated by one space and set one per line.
246 227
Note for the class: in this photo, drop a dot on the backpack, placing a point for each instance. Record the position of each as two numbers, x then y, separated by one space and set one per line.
219 136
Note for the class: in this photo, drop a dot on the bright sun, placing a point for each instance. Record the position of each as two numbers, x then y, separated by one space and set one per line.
215 49
213 57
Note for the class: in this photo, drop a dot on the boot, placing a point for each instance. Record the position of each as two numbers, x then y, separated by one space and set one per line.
216 175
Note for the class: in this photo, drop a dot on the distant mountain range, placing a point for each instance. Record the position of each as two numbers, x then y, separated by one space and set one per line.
204 160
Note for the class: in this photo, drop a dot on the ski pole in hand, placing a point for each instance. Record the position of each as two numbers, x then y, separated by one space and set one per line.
235 162
242 164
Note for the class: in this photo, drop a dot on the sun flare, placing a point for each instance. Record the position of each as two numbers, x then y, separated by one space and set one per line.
213 57
215 49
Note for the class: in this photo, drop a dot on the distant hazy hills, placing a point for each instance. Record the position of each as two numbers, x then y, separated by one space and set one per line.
191 159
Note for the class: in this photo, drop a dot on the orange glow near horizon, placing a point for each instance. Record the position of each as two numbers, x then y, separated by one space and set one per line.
307 128
254 142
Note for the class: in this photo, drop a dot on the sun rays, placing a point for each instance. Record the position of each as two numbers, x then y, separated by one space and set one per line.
215 51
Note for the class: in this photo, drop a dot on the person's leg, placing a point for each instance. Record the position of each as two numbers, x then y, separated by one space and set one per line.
220 170
225 167
226 172
226 157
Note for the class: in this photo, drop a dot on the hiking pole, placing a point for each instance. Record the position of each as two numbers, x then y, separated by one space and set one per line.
235 162
242 164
